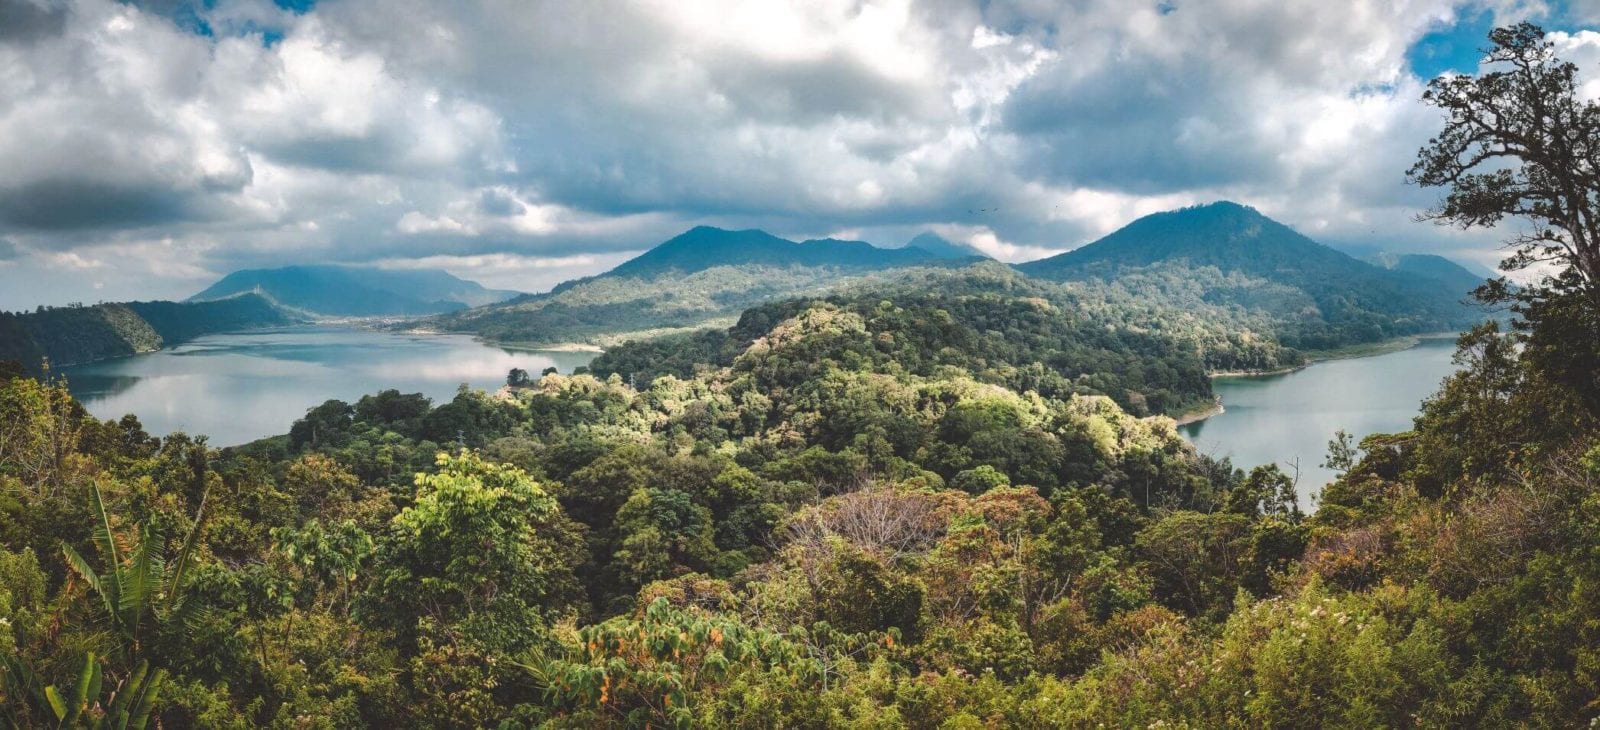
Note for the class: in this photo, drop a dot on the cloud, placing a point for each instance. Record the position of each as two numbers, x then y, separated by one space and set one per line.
495 137
23 20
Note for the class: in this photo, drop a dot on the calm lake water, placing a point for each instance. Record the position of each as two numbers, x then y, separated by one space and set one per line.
1281 418
239 387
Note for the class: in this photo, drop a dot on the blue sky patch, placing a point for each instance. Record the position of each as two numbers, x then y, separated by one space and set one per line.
1457 47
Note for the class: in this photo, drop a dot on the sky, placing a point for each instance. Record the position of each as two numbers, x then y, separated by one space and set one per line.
148 148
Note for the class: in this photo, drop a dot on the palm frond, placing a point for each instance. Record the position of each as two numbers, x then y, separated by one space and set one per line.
83 570
103 537
136 581
175 582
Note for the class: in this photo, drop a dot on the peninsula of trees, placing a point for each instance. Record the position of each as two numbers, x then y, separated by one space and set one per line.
77 334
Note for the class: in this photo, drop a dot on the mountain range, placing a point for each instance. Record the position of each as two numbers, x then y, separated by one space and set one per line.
1311 296
705 247
701 277
355 291
1224 262
1430 266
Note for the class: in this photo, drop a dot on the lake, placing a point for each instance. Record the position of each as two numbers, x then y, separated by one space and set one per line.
239 387
1292 416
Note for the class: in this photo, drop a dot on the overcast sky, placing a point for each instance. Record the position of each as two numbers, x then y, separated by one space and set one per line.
146 149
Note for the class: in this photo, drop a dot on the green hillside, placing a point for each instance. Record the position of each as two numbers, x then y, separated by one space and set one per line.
1025 334
695 279
1311 297
81 334
1440 269
896 512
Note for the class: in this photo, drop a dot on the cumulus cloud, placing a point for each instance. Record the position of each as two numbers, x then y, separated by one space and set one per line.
517 142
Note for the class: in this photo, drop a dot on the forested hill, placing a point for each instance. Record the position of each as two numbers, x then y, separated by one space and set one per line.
692 280
1438 268
1249 293
79 334
354 291
853 518
1230 254
1006 330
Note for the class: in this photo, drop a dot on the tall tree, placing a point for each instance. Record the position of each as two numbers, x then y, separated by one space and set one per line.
1519 142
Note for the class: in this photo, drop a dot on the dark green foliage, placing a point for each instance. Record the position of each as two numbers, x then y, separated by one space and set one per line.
78 334
997 326
1309 296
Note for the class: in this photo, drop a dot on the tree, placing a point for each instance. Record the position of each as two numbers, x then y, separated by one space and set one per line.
518 378
1519 142
469 552
142 587
324 425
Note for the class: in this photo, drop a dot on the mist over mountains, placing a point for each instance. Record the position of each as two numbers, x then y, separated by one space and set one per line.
354 291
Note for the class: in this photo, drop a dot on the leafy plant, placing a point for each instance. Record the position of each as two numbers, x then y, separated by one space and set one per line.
142 588
125 706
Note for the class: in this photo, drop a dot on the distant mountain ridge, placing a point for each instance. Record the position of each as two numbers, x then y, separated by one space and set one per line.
1227 253
944 248
1242 271
704 247
687 281
1431 266
355 291
82 334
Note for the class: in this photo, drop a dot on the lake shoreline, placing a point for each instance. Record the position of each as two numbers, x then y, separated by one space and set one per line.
242 386
1385 347
1376 349
1199 414
1288 420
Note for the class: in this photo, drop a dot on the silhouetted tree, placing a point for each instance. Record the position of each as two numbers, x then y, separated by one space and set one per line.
1519 142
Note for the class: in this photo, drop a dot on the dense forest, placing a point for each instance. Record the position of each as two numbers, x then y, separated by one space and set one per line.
989 322
926 509
79 334
813 534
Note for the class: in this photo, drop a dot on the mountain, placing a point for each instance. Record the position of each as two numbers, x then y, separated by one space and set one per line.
1309 295
77 334
943 247
700 277
355 291
1438 268
704 247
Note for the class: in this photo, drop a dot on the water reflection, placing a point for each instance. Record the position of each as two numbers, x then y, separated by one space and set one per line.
239 387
